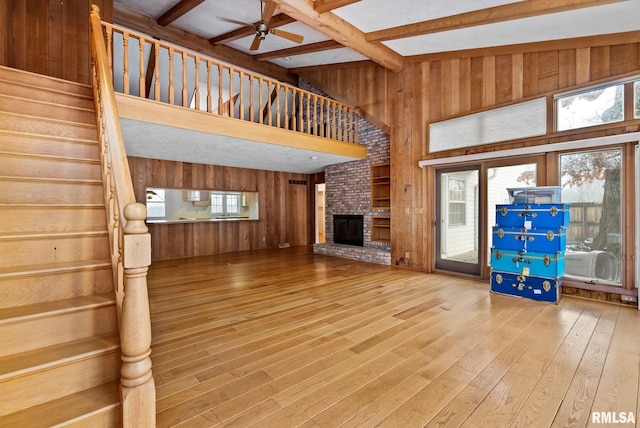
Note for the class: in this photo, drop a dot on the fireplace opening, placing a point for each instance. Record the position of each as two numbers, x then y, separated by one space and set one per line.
348 230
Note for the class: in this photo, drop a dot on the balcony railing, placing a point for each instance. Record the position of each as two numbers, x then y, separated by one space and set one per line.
159 71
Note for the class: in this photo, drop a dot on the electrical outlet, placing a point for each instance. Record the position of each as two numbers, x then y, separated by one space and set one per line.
631 299
406 254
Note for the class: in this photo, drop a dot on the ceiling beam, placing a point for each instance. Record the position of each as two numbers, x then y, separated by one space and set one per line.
508 12
299 50
179 9
275 22
341 31
322 6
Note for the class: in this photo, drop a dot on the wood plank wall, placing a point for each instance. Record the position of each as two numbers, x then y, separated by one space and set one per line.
434 90
49 37
283 208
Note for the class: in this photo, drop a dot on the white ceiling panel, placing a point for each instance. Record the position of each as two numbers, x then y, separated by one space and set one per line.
332 56
374 15
612 18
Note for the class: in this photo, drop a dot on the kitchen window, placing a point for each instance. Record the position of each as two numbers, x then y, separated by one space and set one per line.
225 203
156 204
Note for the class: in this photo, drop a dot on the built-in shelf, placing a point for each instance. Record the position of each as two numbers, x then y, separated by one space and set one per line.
381 186
381 228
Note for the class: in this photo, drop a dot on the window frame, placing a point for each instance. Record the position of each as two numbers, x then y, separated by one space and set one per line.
457 202
629 100
226 197
612 285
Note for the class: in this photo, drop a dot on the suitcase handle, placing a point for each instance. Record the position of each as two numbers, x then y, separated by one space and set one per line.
528 213
524 238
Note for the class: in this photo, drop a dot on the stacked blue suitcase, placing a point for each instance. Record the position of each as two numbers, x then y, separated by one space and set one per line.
527 256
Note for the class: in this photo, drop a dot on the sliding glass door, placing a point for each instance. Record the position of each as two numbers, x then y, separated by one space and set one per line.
458 220
466 198
499 179
592 185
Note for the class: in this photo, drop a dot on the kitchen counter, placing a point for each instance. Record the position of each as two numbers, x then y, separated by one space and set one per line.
198 220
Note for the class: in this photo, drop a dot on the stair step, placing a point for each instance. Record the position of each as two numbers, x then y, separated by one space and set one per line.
18 142
96 407
56 371
45 166
43 283
54 307
27 190
27 363
47 218
42 126
45 109
24 250
30 327
42 82
44 94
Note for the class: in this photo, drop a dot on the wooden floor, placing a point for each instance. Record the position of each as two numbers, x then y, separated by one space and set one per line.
285 338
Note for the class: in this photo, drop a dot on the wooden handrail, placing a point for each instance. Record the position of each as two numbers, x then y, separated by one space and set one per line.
130 242
181 77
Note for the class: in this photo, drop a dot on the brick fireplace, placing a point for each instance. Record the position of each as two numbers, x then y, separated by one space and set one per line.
348 192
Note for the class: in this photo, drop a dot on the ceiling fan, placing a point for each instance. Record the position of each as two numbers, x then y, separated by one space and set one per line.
262 27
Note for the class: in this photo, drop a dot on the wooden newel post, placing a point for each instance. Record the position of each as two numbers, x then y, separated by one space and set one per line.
137 387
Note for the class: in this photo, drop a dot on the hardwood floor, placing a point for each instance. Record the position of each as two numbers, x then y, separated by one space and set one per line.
286 338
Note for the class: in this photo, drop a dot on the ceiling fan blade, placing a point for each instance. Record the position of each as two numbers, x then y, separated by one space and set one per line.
256 44
269 9
233 21
287 35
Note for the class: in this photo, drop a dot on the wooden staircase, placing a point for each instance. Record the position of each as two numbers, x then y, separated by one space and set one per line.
60 352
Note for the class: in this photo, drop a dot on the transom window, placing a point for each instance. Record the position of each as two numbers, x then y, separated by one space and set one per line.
596 105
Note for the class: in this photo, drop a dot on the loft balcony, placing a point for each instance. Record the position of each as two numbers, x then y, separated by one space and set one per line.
177 104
